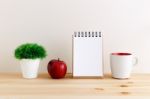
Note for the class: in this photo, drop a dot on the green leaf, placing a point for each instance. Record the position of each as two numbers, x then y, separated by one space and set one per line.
30 51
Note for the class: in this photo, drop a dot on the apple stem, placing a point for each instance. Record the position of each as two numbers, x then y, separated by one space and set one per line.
58 59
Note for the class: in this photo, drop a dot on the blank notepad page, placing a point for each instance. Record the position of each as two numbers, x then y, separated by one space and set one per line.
87 54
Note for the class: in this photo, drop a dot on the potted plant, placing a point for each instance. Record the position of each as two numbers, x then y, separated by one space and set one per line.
30 55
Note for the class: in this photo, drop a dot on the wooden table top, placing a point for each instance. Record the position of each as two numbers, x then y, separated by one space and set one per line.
13 85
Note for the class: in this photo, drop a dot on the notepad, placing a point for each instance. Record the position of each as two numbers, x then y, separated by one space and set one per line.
87 54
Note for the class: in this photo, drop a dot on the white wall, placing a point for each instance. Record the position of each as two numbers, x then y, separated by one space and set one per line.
125 25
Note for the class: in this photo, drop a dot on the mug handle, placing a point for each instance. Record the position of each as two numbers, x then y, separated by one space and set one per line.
135 61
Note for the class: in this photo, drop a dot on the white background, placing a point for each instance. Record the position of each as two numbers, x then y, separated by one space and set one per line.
125 25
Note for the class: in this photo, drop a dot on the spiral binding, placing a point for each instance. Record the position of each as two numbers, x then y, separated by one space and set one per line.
87 34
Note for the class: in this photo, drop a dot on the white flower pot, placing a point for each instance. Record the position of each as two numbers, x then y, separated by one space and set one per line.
30 67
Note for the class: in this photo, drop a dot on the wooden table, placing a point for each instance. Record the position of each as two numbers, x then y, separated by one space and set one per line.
12 85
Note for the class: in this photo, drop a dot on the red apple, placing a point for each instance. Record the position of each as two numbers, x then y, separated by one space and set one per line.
57 68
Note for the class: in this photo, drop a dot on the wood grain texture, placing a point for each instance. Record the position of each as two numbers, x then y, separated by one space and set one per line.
13 85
